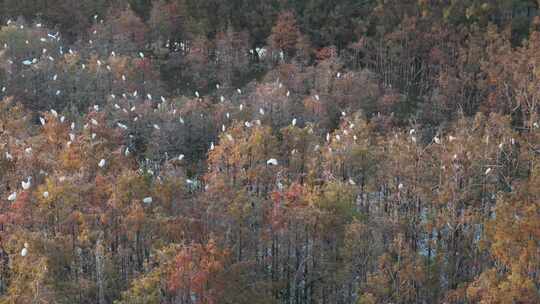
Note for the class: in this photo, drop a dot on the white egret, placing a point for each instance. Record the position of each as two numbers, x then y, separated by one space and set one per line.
26 184
12 197
102 163
272 161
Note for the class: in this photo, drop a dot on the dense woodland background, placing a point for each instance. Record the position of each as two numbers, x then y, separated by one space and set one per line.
277 151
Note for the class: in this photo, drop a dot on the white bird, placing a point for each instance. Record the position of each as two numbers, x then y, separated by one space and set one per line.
26 184
126 153
102 163
487 171
181 120
338 138
42 121
197 94
212 146
72 126
147 200
343 114
141 54
12 197
437 140
228 115
156 127
317 97
223 128
261 111
58 92
412 131
24 251
9 156
294 122
288 93
451 138
272 161
28 150
94 122
181 156
122 126
96 108
247 124
45 194
148 96
54 113
352 182
239 91
163 99
222 98
400 186
55 77
94 135
536 125
327 137
123 77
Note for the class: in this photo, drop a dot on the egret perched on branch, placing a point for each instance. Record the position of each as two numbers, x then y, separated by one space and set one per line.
102 163
293 122
147 200
45 194
26 184
272 161
24 251
12 197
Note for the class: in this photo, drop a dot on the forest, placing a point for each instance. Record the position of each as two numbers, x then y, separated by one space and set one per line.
270 151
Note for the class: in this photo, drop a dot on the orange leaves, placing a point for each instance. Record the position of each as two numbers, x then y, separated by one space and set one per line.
195 266
285 33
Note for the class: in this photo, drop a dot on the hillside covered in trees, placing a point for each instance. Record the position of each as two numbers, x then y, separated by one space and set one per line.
269 152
